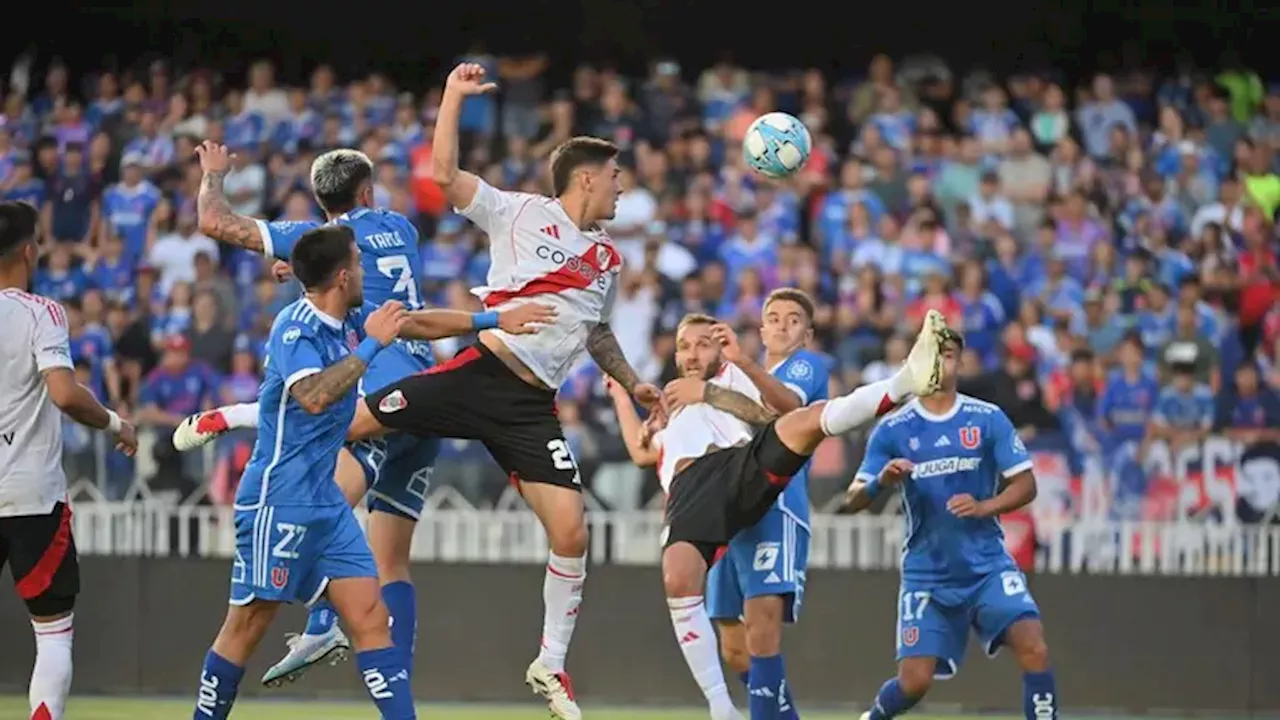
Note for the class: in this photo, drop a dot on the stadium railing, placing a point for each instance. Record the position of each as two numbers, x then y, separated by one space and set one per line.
860 542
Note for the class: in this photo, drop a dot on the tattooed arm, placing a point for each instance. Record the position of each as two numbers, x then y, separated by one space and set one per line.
219 221
317 392
604 349
736 404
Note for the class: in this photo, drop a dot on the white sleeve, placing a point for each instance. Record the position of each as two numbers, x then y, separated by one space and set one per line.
49 341
739 382
610 298
490 209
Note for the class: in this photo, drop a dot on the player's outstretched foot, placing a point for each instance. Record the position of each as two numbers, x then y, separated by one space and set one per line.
865 716
924 363
556 688
199 429
305 651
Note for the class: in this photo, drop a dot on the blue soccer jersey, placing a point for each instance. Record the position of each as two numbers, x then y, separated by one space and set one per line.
956 574
969 449
397 468
294 531
805 373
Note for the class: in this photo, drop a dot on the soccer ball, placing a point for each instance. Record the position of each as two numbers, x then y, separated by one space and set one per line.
777 145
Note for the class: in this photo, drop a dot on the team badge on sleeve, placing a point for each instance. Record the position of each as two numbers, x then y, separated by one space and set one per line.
800 370
1019 446
291 335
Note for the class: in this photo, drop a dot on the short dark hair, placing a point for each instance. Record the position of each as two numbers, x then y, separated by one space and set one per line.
794 295
575 153
336 177
695 319
320 253
18 222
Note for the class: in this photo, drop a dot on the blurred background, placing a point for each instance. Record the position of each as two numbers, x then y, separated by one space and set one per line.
1096 209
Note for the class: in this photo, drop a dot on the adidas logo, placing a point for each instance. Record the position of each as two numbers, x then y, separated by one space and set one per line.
772 578
689 637
942 442
550 230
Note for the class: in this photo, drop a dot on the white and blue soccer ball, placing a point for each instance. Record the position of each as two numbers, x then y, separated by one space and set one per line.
777 145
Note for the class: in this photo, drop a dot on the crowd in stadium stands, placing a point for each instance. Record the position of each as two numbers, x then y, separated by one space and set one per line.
1109 249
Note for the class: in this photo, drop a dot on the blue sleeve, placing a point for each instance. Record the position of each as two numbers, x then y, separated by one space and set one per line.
879 453
805 376
295 351
279 237
1009 452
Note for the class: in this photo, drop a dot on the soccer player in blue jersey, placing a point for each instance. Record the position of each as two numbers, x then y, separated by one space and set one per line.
960 465
395 472
296 537
759 583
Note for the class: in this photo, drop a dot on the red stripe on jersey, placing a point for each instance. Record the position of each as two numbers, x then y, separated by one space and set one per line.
38 580
566 277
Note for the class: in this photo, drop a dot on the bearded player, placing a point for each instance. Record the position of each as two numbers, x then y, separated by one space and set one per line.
501 391
722 478
960 465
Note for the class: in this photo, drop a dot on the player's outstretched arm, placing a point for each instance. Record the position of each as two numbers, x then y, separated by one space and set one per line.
80 405
864 490
459 185
316 392
435 324
738 405
636 433
775 393
215 216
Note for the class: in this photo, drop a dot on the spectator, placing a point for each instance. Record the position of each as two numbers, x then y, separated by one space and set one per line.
1188 346
176 245
1100 114
212 343
1249 411
1128 398
176 388
1183 414
70 213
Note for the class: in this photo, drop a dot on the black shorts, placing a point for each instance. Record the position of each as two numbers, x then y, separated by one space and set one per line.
41 554
720 494
475 396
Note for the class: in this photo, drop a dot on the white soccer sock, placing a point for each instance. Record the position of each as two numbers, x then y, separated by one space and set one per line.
866 403
244 415
51 676
561 596
697 640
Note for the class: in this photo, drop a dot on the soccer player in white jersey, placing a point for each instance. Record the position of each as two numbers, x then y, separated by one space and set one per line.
720 477
501 390
36 380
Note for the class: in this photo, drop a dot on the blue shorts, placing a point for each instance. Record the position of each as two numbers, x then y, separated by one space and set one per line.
397 468
768 558
934 621
289 553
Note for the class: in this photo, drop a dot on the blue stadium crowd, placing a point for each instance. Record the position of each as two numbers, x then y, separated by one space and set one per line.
1109 248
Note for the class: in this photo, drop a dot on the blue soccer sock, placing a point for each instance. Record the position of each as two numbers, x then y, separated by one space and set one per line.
1039 696
768 697
387 680
891 701
402 603
219 683
321 619
745 677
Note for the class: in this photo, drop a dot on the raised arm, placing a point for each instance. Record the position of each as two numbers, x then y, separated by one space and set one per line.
217 219
315 393
435 324
636 434
738 405
776 393
316 387
459 185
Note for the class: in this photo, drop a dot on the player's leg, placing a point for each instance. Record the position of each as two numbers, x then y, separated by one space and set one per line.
773 585
1008 615
724 606
803 430
203 427
348 576
41 554
247 621
684 571
322 640
932 633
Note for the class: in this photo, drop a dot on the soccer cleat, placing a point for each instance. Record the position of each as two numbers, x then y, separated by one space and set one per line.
865 716
305 651
924 363
199 429
556 688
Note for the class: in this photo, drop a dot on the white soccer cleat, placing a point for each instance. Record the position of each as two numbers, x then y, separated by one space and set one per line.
865 716
556 688
199 430
924 363
306 651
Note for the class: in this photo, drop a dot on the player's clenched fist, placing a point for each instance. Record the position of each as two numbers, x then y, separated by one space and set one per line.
468 79
895 471
728 339
384 323
966 506
214 158
526 319
126 438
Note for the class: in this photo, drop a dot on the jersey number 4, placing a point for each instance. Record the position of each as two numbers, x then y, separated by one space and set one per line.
397 268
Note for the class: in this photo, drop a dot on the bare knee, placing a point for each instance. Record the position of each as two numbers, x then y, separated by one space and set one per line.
764 626
563 516
568 537
915 675
242 630
683 571
1026 640
733 646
